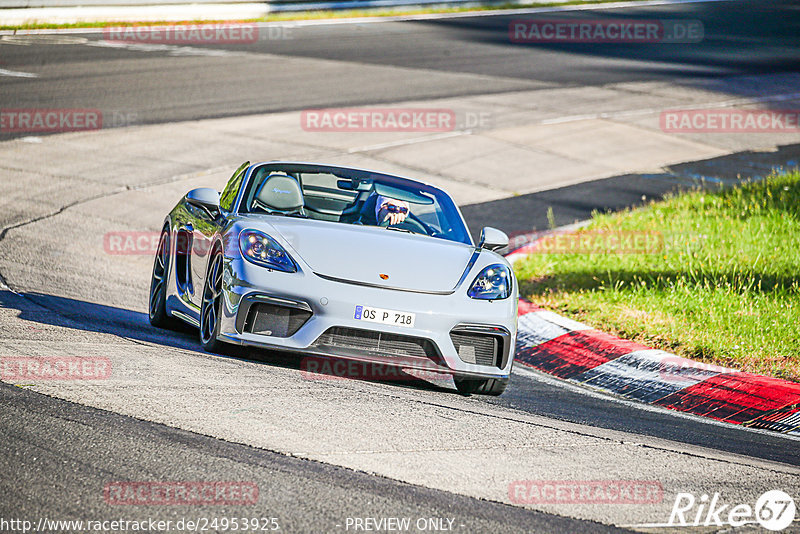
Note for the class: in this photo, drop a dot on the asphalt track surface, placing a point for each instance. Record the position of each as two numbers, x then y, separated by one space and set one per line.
58 444
39 466
390 62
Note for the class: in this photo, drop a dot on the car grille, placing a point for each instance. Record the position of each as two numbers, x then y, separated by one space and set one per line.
480 349
275 321
377 343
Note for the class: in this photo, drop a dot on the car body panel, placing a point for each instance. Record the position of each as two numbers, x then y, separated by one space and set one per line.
362 253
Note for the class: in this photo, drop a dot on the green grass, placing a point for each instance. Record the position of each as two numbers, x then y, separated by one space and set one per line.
320 14
723 288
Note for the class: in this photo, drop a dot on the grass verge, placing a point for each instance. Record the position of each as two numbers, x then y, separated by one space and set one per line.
321 14
721 285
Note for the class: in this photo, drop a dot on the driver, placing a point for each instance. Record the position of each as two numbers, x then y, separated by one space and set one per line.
393 210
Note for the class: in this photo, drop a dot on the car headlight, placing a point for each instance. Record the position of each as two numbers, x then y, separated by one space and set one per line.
493 283
259 248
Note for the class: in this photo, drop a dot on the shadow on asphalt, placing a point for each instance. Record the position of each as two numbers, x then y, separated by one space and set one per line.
742 38
87 316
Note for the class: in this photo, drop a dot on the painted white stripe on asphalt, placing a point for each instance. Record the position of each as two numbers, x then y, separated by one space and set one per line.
172 50
563 322
17 74
27 40
793 419
533 329
646 375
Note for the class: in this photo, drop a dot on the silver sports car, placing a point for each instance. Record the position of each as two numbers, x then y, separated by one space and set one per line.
343 263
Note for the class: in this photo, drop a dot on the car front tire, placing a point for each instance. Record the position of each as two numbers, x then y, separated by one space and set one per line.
157 309
489 386
211 306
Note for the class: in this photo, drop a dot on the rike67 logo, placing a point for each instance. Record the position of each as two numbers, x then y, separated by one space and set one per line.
774 510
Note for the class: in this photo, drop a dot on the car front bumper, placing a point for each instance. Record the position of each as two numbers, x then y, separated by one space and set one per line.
332 306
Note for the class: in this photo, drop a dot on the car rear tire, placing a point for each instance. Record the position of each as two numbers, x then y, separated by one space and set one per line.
157 311
211 306
489 386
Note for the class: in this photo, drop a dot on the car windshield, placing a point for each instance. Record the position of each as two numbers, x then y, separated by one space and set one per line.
351 196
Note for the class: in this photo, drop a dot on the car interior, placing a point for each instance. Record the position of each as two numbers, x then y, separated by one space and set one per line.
328 197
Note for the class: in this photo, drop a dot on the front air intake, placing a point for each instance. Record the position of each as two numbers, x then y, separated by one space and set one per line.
377 343
272 320
480 349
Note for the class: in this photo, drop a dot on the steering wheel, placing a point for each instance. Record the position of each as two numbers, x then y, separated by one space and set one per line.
430 230
408 224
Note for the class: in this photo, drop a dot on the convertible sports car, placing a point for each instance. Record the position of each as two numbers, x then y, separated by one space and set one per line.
302 257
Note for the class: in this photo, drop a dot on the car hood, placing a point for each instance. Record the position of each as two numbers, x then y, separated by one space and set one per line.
362 254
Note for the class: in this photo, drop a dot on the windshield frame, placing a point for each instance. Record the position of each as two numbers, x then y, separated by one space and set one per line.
442 198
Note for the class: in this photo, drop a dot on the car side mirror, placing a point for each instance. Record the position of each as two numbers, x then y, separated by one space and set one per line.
492 239
206 198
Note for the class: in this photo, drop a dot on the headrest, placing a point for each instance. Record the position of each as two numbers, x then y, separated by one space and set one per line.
281 192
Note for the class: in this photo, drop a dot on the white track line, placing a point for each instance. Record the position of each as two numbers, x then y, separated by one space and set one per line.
17 74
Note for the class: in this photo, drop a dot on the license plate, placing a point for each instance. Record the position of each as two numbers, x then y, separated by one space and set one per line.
379 315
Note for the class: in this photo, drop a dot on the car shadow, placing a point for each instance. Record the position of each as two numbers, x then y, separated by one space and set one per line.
87 316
